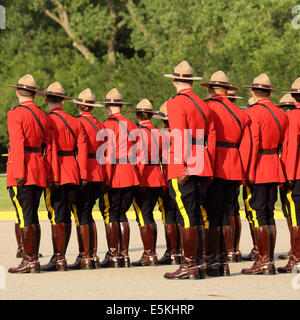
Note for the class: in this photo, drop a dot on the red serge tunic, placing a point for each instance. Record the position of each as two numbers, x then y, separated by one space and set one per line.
231 162
265 134
152 175
183 114
24 131
291 154
95 171
124 174
70 169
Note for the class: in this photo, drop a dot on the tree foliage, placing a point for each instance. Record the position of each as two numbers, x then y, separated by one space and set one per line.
130 44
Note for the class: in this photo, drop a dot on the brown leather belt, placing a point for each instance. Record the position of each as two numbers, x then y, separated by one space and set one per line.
267 151
65 153
32 150
200 142
224 144
92 155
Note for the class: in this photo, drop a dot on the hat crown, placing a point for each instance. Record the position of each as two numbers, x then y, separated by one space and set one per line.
183 68
144 104
114 94
262 79
296 84
56 87
287 98
87 95
219 76
27 80
163 109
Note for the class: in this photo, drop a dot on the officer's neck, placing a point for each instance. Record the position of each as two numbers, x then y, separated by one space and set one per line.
182 86
113 110
54 106
23 99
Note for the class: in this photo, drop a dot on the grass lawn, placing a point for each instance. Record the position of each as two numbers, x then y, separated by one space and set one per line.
6 205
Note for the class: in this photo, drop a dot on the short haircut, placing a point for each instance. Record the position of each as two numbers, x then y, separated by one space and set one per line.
84 108
26 93
296 96
144 116
54 99
190 82
262 92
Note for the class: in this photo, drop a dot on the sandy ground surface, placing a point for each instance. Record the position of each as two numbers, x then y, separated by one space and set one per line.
142 283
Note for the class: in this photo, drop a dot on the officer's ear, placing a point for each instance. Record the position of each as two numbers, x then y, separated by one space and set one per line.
46 101
62 103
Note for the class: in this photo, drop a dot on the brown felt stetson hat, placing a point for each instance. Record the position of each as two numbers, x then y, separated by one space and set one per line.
219 79
286 100
261 82
162 113
143 106
183 71
231 95
114 97
87 98
295 86
27 82
56 90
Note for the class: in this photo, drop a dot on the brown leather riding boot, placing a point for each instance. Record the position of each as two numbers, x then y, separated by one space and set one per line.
293 264
237 237
112 257
20 250
212 251
263 265
86 261
149 257
59 234
30 261
231 251
94 244
252 256
68 229
189 268
170 256
287 255
201 258
225 239
179 243
124 245
51 265
76 265
273 234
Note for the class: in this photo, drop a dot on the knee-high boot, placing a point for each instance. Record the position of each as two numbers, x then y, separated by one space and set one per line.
188 268
124 245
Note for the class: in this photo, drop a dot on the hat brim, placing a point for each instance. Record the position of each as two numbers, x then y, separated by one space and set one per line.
282 105
142 110
261 88
44 94
87 104
120 102
159 116
235 97
216 85
20 87
182 78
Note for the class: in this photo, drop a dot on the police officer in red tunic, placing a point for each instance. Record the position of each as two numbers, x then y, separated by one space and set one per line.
232 135
291 159
170 214
151 184
93 190
286 104
269 132
191 166
234 253
71 171
28 172
122 177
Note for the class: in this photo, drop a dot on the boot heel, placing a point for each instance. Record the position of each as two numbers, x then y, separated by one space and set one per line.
269 272
194 276
34 271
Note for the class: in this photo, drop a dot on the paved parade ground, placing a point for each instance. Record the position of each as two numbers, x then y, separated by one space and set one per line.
139 283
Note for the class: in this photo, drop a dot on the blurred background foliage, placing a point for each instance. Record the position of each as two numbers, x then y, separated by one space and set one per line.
130 44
